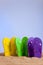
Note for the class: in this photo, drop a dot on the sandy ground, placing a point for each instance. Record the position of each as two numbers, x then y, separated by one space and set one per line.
20 60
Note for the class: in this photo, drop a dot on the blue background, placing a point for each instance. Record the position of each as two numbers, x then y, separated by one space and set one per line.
21 18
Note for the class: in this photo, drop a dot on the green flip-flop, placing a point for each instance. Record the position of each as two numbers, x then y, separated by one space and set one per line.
25 46
18 47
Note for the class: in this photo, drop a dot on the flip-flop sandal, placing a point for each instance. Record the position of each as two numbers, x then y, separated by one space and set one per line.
30 47
13 46
18 47
25 46
37 47
6 45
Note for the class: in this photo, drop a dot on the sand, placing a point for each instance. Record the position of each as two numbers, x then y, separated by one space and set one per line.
20 60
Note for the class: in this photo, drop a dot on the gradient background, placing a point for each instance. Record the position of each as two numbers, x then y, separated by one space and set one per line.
21 18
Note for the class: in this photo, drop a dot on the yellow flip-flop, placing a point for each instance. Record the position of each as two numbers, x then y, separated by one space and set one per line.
13 46
6 45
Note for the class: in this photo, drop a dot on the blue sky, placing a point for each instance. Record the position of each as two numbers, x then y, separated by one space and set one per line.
21 18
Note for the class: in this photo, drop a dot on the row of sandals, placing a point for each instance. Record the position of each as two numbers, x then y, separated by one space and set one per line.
30 47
